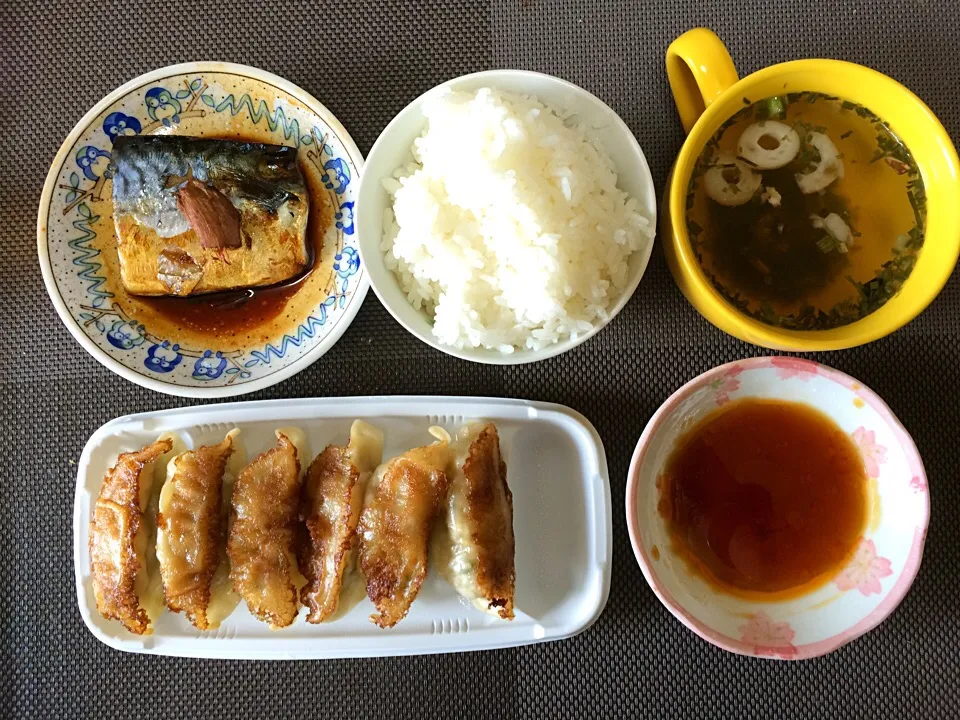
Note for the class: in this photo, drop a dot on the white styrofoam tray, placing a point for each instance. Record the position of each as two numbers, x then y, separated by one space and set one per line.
557 471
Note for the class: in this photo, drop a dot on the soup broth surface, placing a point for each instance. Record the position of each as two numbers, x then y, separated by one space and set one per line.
806 211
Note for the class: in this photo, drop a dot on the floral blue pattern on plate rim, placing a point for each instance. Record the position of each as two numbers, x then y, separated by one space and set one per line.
80 171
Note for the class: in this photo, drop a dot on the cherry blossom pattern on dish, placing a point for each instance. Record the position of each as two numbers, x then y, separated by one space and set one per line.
864 571
768 637
791 367
918 484
725 384
874 455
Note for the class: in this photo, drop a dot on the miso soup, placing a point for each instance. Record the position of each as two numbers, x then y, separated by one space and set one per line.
806 211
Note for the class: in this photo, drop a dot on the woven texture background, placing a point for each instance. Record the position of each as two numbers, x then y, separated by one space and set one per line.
365 60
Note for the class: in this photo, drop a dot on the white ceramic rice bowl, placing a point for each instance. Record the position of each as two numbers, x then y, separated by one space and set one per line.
392 150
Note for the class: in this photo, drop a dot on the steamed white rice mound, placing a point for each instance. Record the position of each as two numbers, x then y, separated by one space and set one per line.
509 229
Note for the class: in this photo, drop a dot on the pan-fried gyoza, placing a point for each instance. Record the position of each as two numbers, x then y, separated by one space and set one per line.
331 501
475 544
403 499
120 534
261 544
191 529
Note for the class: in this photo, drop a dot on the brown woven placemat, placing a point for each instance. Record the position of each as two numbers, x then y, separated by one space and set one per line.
365 60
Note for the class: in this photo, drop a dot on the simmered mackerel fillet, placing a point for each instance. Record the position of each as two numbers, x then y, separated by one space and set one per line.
331 501
477 546
119 539
195 215
402 500
264 513
190 529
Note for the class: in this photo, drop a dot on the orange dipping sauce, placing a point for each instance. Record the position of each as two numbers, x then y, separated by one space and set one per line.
764 497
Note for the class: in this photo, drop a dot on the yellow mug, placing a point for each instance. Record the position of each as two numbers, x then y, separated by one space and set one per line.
707 92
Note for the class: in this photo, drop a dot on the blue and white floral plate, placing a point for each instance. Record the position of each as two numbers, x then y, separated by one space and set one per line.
77 242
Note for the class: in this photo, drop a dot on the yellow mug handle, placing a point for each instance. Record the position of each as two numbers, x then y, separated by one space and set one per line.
699 68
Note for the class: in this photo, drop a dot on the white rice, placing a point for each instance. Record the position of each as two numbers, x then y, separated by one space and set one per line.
509 229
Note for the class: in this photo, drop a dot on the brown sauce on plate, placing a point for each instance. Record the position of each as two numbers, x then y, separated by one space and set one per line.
764 497
242 311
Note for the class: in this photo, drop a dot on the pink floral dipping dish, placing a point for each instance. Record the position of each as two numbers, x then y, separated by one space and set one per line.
863 592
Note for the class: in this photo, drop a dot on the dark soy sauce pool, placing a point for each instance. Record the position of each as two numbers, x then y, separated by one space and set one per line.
764 496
